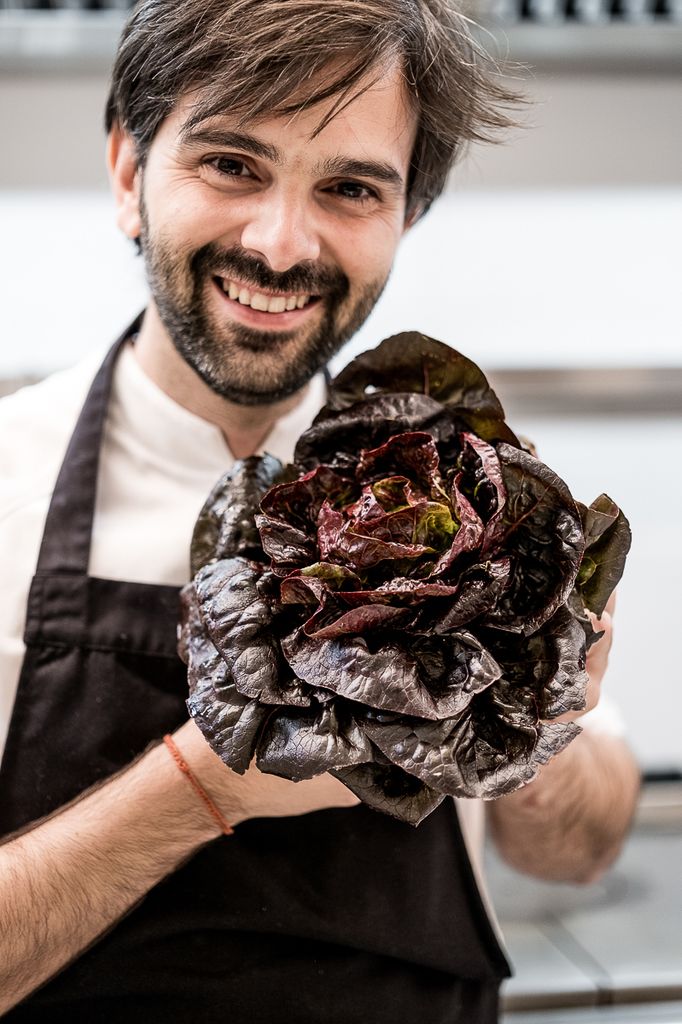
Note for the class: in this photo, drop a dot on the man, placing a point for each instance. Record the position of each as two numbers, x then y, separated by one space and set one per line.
266 156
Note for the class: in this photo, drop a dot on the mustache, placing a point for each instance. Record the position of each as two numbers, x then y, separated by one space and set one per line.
302 277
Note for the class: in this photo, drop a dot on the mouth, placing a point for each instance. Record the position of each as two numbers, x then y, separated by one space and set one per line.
265 309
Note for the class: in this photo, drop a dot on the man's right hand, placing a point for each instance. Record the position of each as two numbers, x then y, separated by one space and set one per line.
254 794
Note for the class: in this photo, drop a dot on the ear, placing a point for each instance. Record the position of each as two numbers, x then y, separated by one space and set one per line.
125 177
415 214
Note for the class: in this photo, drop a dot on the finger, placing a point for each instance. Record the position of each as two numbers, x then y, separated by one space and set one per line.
603 624
598 655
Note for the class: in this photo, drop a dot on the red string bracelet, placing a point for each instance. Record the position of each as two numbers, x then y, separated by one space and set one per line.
225 828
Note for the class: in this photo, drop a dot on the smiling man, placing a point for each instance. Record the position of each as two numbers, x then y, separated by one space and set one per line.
265 249
266 157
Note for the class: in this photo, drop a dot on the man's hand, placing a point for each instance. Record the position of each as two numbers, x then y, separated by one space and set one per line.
570 821
254 794
598 654
597 661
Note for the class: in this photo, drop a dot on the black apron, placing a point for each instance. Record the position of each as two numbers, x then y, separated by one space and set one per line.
337 916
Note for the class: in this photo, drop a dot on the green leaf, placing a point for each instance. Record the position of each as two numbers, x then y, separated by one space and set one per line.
608 538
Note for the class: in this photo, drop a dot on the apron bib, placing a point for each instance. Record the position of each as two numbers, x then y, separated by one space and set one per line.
336 916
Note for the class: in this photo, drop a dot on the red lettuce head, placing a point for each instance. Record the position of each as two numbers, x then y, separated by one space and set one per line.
405 605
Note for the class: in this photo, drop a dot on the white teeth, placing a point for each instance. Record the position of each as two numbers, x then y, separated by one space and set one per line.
264 303
260 302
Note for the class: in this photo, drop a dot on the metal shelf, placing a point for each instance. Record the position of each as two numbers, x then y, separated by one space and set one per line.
73 40
608 47
569 392
575 392
61 40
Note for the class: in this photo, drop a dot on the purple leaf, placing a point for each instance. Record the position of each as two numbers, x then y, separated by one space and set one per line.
300 745
430 679
412 454
229 721
541 533
389 789
362 545
365 619
225 527
608 539
478 592
240 625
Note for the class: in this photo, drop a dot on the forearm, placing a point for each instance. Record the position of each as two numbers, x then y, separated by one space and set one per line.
570 822
70 878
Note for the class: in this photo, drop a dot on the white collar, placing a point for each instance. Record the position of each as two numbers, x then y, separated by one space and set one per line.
173 435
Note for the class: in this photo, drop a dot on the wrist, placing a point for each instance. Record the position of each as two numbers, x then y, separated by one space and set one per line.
211 808
172 804
225 789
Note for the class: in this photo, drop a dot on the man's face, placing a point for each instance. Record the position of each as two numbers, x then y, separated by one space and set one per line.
265 248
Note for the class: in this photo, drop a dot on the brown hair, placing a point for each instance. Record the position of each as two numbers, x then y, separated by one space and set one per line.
260 58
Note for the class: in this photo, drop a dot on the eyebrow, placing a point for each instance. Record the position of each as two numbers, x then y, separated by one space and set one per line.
346 167
338 166
230 140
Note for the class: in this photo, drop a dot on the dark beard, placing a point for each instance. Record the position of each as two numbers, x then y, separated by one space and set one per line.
220 361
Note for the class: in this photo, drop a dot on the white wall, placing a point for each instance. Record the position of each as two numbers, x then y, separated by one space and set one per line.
515 278
631 459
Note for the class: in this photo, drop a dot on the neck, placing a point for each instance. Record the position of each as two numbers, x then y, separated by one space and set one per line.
244 427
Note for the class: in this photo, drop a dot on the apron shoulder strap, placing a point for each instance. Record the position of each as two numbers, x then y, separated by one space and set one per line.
66 539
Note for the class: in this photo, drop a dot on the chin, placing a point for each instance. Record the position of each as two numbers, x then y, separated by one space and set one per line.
241 390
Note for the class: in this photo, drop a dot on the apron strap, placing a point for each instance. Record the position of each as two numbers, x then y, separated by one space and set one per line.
68 528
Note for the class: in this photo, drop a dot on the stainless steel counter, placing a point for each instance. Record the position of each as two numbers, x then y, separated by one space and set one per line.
610 950
646 1013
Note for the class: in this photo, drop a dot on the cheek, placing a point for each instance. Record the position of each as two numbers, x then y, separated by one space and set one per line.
183 212
368 255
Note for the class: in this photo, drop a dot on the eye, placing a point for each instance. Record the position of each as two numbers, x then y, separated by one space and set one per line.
230 166
354 191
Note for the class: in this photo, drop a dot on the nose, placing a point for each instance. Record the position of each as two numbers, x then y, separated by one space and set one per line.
281 230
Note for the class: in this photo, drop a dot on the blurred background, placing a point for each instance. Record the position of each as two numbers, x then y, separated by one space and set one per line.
554 261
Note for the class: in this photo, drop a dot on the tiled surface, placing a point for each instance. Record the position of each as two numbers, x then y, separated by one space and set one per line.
544 975
619 941
638 940
641 1013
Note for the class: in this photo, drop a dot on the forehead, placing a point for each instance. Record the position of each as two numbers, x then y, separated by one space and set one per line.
379 117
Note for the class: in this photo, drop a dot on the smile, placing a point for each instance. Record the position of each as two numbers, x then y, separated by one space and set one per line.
262 302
